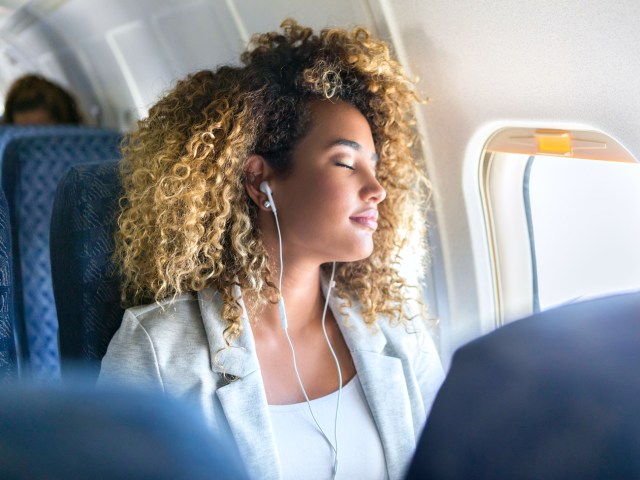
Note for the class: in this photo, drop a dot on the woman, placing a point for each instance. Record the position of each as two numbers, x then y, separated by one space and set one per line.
34 100
244 189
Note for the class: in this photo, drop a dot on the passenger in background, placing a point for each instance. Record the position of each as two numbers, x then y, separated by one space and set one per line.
34 100
266 210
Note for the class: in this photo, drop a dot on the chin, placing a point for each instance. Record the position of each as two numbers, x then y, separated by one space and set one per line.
360 254
352 249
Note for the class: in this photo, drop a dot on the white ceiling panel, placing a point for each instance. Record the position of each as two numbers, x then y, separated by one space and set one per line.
266 16
147 76
197 35
49 66
108 82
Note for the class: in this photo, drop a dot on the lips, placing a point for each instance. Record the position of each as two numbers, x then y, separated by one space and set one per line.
367 218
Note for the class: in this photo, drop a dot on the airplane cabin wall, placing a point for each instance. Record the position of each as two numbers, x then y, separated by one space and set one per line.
489 64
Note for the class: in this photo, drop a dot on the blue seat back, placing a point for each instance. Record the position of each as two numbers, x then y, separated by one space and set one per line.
85 281
32 165
10 132
8 364
78 432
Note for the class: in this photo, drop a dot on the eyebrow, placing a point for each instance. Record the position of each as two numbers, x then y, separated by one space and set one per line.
354 145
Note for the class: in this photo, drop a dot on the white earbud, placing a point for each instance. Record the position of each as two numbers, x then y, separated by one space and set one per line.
266 189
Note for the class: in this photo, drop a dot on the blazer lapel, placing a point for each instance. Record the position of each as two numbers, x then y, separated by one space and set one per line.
245 406
242 397
384 386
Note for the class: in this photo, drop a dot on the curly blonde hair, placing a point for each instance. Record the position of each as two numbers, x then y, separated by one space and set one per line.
187 222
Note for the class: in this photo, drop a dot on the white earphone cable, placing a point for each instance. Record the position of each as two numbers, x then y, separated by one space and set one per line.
283 320
335 357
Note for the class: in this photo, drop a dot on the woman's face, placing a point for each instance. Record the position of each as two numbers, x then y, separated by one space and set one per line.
327 206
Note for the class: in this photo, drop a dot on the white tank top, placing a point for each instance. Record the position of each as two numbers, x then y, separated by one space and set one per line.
304 452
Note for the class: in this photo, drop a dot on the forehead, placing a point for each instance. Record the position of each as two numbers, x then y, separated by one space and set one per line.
339 120
36 116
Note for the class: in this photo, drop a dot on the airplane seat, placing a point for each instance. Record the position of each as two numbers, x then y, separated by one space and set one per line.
70 431
554 395
85 281
11 132
8 361
33 160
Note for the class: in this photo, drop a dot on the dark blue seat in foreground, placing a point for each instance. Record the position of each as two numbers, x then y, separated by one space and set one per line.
75 432
554 396
8 364
32 165
86 285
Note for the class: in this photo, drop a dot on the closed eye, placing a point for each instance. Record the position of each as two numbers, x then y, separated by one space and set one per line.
344 165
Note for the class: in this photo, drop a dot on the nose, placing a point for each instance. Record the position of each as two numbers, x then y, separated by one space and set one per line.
374 192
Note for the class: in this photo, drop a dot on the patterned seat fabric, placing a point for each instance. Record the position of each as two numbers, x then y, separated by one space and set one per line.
86 285
8 364
10 132
32 165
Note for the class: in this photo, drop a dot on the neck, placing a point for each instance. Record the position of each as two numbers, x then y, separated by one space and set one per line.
303 298
302 293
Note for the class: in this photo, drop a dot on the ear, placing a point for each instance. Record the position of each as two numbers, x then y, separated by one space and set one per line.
256 171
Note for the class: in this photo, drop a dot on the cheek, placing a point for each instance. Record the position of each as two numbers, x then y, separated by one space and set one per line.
334 201
316 209
319 193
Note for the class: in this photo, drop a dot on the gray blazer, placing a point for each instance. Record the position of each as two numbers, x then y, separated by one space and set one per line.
178 346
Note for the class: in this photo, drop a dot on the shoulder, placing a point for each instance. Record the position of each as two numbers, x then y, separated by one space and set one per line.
413 343
163 311
173 329
168 317
155 340
411 338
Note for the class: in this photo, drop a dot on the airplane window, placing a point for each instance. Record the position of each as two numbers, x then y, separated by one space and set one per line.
561 220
